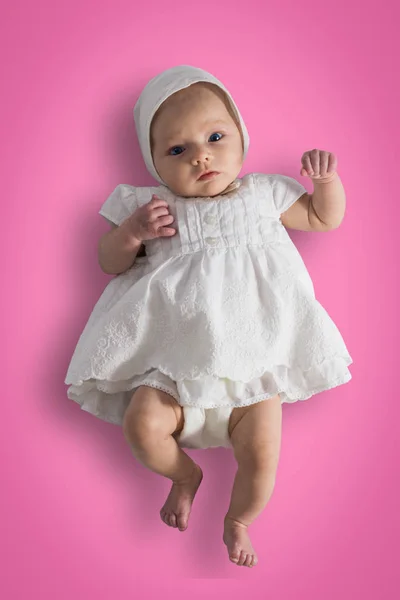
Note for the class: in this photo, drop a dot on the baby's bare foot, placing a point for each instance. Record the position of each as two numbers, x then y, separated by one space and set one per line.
238 543
176 509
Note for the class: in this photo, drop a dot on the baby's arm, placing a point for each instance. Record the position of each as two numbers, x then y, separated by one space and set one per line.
119 247
324 209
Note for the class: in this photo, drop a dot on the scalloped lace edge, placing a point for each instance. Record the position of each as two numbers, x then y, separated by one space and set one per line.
287 400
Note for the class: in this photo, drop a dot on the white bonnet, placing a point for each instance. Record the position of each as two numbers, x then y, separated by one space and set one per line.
157 91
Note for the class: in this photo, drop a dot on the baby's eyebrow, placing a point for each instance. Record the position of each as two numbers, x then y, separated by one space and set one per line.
216 122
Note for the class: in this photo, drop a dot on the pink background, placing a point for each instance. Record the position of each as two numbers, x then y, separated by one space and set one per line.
79 516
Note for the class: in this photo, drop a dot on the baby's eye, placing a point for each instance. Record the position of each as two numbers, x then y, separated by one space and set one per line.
215 137
176 150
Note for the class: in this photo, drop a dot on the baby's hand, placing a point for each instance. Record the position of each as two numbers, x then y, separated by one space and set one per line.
150 221
318 164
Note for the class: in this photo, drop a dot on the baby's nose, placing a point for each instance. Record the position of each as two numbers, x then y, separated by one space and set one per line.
200 155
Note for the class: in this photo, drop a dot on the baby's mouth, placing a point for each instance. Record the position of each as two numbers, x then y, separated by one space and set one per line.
207 175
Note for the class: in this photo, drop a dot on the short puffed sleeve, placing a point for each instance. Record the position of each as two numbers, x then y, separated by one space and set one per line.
285 190
120 204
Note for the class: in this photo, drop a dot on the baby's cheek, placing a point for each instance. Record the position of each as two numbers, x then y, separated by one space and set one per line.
237 160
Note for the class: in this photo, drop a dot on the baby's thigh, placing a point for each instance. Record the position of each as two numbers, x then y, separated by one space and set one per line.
257 428
152 411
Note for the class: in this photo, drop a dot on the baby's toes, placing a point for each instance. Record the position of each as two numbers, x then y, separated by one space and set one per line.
234 554
182 521
242 559
172 520
249 561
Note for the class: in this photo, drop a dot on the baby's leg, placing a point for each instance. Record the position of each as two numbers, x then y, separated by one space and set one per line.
255 433
150 421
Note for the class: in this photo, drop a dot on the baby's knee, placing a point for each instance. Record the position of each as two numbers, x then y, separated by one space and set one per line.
149 416
258 460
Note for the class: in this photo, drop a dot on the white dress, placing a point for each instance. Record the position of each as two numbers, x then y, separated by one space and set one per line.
223 314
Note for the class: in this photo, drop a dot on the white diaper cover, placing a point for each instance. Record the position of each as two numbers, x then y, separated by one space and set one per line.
205 427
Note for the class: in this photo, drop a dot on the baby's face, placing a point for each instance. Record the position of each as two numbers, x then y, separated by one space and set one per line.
194 132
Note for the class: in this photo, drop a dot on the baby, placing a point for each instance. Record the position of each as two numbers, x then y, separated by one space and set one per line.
198 343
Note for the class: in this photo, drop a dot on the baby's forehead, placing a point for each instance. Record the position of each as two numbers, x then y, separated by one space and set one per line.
196 94
193 104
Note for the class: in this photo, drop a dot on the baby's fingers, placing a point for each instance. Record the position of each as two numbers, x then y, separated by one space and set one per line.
315 162
161 225
156 213
332 163
162 221
156 202
306 162
166 232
